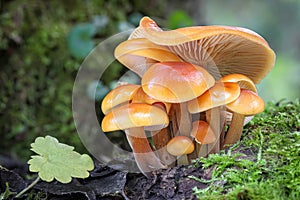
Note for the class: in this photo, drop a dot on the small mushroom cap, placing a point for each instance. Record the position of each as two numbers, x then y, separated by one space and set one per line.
202 132
218 95
180 145
221 50
243 81
138 54
248 103
117 96
176 82
134 115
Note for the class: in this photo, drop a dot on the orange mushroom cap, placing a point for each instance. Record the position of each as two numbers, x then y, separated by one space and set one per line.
202 132
218 95
176 82
221 50
180 145
248 103
117 96
242 80
135 115
138 54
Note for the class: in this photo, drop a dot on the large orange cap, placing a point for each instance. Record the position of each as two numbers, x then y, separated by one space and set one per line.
221 50
176 82
248 103
135 115
218 95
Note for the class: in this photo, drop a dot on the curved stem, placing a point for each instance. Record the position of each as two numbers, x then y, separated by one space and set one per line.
235 130
144 156
28 187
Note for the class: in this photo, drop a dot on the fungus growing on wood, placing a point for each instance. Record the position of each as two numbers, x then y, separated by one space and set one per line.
196 77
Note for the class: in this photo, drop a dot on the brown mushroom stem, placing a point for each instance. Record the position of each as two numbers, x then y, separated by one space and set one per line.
184 121
180 124
145 158
183 160
222 126
196 153
160 139
235 130
222 134
213 118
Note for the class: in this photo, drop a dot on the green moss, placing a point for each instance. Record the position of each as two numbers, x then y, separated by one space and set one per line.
271 169
38 69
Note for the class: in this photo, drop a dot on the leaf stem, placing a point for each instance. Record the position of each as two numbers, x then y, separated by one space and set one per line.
28 187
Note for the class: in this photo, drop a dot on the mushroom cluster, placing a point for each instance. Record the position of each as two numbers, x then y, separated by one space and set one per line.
197 91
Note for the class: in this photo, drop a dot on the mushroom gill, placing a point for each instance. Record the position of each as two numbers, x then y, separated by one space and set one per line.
190 78
221 50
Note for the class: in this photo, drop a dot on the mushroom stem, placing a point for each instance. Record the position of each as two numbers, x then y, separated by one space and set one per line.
235 130
184 120
222 125
182 160
160 139
180 124
213 118
145 158
184 123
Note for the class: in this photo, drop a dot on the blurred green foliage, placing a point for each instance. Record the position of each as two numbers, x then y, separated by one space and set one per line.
179 19
42 44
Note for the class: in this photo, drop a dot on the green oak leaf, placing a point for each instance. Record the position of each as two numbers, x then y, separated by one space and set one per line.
58 161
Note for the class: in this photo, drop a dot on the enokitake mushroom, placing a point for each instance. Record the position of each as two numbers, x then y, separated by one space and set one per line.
212 102
128 94
253 105
247 104
221 50
160 135
177 82
133 118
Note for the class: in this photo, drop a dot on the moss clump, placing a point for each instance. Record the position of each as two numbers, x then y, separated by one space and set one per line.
265 164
